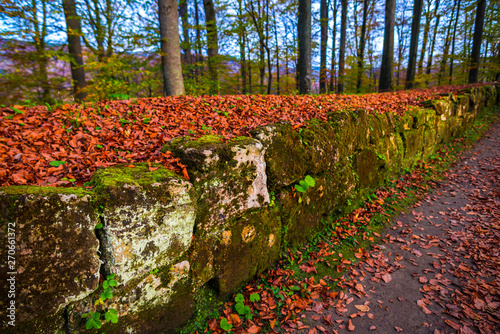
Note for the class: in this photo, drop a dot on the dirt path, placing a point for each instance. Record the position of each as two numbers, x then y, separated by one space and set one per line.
438 270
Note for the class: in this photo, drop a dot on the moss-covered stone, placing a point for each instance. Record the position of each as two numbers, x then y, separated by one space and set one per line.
148 218
413 141
247 247
159 302
54 247
229 178
321 143
382 125
329 195
285 156
367 167
344 124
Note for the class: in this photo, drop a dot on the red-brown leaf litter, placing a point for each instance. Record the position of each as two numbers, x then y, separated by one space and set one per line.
86 137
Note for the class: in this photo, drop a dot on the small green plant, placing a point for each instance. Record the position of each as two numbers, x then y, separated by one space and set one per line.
111 314
224 325
305 184
241 308
272 199
57 163
254 297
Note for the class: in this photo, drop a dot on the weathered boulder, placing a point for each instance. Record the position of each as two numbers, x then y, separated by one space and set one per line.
55 257
148 215
248 246
285 156
321 142
301 213
229 179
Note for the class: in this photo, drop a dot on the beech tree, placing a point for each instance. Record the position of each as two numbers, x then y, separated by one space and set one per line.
361 50
212 45
343 31
415 31
173 83
476 46
324 38
386 82
74 32
304 32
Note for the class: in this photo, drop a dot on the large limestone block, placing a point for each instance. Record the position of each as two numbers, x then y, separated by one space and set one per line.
229 178
413 141
55 254
302 213
157 302
285 156
148 218
321 142
367 168
353 130
247 247
382 125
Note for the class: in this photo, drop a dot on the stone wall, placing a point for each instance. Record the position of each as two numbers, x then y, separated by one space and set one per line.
166 238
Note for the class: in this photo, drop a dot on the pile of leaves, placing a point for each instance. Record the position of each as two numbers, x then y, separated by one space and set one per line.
63 147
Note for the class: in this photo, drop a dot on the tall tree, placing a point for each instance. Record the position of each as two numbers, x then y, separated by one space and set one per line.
334 37
415 30
212 45
433 42
170 47
186 44
362 42
476 45
74 32
324 39
304 32
446 49
343 32
427 27
242 40
260 18
386 82
453 42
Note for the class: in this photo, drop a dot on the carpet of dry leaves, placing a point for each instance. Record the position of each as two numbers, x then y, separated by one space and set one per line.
78 139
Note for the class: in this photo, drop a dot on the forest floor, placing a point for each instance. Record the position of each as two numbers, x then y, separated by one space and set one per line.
421 256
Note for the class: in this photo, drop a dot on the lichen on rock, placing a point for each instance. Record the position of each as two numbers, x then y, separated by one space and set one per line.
56 260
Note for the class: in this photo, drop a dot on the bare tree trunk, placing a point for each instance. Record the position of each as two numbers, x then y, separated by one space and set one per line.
476 45
212 46
74 31
453 42
249 73
278 91
427 26
442 67
324 38
304 32
170 48
241 37
198 32
415 29
362 42
268 51
433 43
334 36
386 82
186 44
343 31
